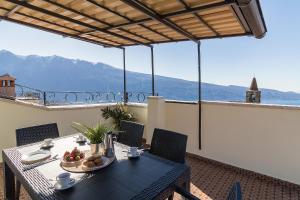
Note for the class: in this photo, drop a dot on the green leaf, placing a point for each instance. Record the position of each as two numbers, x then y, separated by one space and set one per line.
117 113
94 134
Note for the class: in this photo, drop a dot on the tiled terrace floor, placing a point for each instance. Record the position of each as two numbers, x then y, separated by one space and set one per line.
212 181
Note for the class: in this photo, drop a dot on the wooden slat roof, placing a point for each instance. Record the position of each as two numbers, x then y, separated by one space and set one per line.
118 23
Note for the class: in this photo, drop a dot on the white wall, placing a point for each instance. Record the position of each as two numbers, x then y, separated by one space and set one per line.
265 139
14 115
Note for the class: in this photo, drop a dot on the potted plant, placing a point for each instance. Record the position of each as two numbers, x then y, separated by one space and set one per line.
117 113
94 134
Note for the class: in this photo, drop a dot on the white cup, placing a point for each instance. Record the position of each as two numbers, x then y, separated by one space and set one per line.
81 138
133 150
63 179
47 141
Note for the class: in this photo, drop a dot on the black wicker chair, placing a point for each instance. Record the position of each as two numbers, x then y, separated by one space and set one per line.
34 134
172 146
131 133
169 145
235 192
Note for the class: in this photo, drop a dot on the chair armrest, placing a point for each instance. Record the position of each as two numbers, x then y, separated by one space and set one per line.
145 150
116 135
117 132
185 193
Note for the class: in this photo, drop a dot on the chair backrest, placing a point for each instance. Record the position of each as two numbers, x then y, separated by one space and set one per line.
169 145
132 133
235 192
36 133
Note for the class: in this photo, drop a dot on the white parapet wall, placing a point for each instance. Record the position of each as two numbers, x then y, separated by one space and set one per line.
14 115
261 138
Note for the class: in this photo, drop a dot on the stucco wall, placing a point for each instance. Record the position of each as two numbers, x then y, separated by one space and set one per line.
19 115
265 139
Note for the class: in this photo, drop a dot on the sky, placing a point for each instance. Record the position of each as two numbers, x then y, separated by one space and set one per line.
273 60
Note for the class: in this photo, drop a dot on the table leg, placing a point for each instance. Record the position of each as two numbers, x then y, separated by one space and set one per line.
186 184
171 197
9 182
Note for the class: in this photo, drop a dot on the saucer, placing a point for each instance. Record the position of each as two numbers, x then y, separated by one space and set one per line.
130 155
47 146
59 187
81 141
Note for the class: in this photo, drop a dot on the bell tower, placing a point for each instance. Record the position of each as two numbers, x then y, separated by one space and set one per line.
7 86
253 95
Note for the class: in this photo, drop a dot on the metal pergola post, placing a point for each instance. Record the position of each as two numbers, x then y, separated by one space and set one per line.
199 91
152 71
125 96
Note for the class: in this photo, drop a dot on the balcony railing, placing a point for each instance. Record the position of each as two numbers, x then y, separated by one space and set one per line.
76 97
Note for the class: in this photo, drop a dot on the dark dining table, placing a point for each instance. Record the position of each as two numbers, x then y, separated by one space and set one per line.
147 177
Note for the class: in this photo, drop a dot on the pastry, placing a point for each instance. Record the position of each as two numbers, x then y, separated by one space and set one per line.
98 161
90 164
93 157
93 161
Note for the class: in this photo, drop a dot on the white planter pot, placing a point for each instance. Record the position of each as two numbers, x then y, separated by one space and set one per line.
97 148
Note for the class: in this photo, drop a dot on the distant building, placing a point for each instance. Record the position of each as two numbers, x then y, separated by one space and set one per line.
253 95
7 86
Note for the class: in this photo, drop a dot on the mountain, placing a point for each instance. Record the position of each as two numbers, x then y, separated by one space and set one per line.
56 73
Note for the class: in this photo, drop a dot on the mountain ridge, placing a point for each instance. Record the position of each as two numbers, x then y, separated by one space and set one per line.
57 73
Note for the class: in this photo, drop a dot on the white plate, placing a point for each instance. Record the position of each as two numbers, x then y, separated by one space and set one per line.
45 146
59 187
81 168
129 155
35 156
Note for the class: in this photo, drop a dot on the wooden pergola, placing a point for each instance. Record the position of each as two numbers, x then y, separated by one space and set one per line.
121 23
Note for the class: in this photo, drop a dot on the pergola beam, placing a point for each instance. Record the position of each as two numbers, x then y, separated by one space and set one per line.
155 31
125 17
56 32
177 13
199 17
12 11
137 35
154 15
61 26
200 8
92 18
59 16
129 32
76 11
202 38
